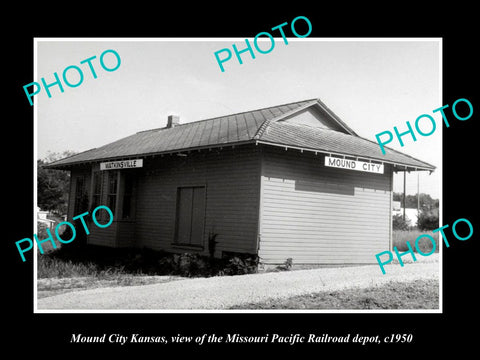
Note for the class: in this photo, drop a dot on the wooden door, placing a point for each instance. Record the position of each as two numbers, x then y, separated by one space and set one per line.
190 215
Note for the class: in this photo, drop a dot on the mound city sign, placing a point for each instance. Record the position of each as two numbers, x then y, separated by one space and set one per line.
354 165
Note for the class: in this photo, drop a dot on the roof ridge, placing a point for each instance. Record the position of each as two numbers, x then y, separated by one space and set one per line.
227 115
281 123
261 129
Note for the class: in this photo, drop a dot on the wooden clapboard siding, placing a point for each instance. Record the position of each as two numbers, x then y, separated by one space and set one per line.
322 215
231 178
103 236
125 233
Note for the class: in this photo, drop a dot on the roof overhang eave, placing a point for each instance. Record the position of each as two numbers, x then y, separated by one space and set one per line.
68 166
398 165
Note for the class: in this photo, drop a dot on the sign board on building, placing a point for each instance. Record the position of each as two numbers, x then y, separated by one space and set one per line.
353 165
123 164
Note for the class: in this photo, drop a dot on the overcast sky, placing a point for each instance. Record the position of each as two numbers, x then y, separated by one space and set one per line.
371 85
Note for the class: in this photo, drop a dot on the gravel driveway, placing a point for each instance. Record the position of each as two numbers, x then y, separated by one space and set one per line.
219 293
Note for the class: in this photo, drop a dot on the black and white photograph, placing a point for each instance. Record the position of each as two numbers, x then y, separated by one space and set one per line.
267 181
239 198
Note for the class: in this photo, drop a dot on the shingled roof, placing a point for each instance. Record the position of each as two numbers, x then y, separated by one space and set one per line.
262 126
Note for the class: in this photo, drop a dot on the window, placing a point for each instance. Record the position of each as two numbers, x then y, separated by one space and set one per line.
190 219
81 197
112 190
97 189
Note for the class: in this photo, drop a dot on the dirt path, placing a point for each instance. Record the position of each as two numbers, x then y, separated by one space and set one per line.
223 292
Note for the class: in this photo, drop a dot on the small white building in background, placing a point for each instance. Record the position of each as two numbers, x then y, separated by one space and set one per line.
42 218
410 214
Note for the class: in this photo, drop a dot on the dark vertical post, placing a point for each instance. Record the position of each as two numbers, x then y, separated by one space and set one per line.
404 191
418 195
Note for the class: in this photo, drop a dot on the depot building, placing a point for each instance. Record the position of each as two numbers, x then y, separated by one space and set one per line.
287 181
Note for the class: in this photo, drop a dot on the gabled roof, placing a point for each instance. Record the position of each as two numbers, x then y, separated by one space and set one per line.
257 126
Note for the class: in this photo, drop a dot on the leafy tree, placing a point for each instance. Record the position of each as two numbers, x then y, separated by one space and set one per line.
53 185
428 219
428 214
426 201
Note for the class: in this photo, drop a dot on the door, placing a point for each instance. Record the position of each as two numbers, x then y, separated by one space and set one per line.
190 215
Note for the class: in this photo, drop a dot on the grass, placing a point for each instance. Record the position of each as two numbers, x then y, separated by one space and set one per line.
400 238
54 286
421 294
79 267
51 267
79 260
75 260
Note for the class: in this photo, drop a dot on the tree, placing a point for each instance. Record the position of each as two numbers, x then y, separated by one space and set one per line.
53 185
428 219
426 201
428 212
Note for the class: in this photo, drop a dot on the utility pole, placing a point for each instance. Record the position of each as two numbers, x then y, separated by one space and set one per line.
404 191
418 195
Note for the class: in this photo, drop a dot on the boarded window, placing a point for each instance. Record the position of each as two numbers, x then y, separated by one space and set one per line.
190 215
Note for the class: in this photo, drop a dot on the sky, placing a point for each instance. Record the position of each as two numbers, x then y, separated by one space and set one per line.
371 84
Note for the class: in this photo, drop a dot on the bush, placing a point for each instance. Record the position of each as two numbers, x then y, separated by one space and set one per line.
187 264
240 265
80 259
428 219
191 265
400 224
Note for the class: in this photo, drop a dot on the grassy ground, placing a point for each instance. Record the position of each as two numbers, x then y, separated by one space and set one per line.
55 286
400 238
60 271
396 295
55 264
